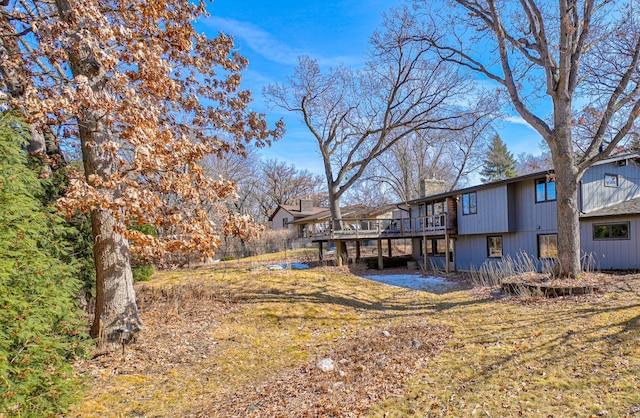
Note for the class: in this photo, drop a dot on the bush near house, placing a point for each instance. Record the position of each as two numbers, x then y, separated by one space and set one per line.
40 330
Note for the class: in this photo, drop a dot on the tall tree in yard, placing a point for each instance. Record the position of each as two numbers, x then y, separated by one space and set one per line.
356 116
499 163
578 58
145 98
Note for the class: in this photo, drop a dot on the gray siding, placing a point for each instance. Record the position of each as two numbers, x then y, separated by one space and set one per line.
594 193
613 254
472 250
492 213
529 215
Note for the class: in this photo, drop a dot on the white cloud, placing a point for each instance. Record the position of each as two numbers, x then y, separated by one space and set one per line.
257 39
267 46
518 120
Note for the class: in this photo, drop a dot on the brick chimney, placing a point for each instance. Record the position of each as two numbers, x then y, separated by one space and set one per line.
306 205
432 186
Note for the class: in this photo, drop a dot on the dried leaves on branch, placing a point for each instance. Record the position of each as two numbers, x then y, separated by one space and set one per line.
163 95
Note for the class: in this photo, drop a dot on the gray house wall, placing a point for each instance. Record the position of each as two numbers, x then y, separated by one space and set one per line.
510 210
612 254
522 222
492 213
595 195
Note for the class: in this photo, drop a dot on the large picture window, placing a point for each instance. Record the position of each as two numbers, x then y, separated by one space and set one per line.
611 231
469 203
545 190
494 247
548 246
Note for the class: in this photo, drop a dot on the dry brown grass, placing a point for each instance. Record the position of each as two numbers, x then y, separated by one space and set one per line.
238 340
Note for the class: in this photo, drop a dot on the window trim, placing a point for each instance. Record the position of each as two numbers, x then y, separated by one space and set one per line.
611 176
544 181
475 208
540 256
489 246
436 253
610 238
432 247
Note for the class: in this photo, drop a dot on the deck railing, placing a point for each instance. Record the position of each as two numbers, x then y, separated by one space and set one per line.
357 228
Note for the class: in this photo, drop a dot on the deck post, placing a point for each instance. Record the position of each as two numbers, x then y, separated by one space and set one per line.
320 256
389 247
446 252
357 250
424 251
338 253
380 260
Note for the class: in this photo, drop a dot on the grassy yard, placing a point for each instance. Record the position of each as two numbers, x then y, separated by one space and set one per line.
236 339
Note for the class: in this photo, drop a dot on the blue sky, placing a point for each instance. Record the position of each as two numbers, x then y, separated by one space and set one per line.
271 35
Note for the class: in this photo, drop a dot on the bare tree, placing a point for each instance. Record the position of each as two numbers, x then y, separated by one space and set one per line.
244 170
528 163
356 116
580 57
283 184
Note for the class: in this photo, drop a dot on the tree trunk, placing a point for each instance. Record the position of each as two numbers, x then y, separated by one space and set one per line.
568 211
337 225
116 317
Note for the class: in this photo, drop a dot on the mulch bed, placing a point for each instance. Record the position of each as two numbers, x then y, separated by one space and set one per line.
539 284
369 367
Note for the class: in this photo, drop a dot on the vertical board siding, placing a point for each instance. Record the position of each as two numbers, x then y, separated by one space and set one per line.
492 213
529 215
471 251
594 193
621 254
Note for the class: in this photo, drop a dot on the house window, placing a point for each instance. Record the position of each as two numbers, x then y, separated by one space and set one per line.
469 203
610 180
440 247
285 223
548 246
494 247
437 247
545 190
611 231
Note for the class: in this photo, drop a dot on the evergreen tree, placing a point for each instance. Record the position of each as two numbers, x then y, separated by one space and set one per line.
39 322
499 163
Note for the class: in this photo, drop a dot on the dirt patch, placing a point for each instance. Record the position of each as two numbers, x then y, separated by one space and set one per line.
369 367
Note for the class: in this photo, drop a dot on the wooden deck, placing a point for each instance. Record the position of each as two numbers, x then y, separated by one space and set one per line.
362 229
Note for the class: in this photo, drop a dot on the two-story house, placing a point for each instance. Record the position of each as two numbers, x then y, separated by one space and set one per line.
465 228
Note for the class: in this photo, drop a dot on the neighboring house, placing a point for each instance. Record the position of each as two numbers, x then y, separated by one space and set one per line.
484 223
286 216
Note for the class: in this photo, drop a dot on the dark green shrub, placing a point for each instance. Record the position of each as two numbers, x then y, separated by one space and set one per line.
227 258
40 327
143 272
143 269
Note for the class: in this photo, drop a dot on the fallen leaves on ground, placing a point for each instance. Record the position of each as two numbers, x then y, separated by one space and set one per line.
237 340
370 366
